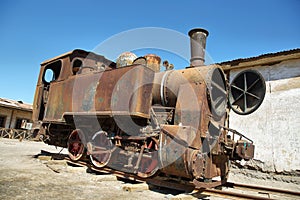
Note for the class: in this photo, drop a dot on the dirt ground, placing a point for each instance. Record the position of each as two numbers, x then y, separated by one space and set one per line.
24 176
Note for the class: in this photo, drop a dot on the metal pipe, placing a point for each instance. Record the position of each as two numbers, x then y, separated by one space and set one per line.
198 42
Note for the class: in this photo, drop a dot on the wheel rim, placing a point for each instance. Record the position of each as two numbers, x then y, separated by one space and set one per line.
100 149
76 145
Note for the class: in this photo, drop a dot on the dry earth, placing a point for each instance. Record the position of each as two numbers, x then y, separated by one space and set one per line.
24 176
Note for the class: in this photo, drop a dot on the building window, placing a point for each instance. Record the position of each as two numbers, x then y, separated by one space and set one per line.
20 122
2 121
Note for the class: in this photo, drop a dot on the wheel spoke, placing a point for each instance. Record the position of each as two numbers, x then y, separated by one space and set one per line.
219 87
236 87
245 103
245 82
250 94
238 98
219 102
254 83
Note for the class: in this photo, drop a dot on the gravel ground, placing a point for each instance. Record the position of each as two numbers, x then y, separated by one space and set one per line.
24 176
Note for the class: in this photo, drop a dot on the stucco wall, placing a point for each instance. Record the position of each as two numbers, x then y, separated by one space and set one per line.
16 114
275 126
6 112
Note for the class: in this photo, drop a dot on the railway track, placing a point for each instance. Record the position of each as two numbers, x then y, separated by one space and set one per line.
228 191
245 191
264 192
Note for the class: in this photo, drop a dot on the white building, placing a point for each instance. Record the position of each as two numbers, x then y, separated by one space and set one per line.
13 113
275 126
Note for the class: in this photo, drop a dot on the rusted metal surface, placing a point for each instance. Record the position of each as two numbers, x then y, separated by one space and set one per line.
174 152
244 150
198 43
153 62
192 110
64 72
139 122
166 86
76 145
108 97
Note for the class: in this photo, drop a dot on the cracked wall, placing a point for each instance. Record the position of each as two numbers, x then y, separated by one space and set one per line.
275 126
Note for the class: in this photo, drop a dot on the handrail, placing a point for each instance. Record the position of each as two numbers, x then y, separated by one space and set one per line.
12 133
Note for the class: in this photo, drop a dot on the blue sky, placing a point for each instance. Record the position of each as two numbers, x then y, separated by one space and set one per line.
32 30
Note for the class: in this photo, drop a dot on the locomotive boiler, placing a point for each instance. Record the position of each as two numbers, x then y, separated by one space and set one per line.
134 120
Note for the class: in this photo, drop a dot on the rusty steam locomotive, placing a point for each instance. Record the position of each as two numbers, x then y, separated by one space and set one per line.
140 122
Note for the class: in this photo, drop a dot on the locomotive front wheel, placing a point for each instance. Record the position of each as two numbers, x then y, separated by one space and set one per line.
100 149
76 145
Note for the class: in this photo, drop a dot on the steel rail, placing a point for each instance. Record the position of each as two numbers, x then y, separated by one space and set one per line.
231 195
262 188
195 192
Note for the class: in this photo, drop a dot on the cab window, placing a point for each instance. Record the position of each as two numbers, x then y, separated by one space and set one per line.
52 72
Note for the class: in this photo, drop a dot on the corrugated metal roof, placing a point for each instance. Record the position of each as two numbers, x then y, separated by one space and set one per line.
268 55
15 104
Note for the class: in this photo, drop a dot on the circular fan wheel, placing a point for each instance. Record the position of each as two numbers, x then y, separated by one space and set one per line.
75 145
247 92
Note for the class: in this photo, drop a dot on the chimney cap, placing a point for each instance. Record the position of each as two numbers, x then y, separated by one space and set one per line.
191 32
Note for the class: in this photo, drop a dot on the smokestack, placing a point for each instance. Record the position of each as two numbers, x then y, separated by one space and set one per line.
198 43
